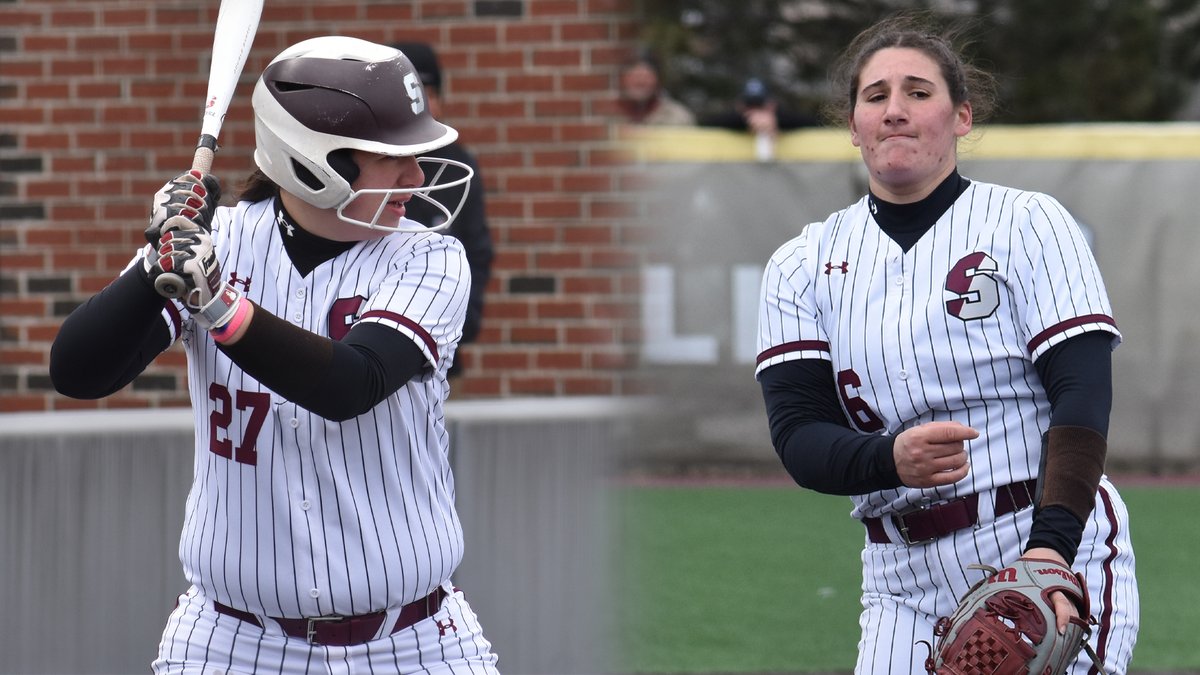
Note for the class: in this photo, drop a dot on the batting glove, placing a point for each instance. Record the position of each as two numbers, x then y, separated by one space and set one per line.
184 203
187 257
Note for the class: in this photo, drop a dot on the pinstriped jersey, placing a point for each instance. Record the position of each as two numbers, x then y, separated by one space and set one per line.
948 330
294 515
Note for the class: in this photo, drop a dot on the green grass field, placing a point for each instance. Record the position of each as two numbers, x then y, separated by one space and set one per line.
766 579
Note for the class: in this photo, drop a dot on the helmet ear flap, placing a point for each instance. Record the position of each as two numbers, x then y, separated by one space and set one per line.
342 161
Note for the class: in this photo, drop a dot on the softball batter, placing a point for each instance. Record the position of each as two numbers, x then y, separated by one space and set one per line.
320 532
941 352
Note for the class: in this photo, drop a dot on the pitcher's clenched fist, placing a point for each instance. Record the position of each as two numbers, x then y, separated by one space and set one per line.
932 454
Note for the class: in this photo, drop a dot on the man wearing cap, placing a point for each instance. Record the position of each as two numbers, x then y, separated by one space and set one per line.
470 227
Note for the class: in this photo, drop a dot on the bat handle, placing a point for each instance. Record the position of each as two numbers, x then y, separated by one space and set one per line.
170 285
202 161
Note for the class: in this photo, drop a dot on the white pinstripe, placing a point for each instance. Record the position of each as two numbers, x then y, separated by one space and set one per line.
845 292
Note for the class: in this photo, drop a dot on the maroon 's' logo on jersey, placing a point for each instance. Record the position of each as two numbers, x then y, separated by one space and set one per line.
844 268
343 314
975 289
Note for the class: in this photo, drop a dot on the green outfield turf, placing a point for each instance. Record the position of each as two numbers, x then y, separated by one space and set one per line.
766 579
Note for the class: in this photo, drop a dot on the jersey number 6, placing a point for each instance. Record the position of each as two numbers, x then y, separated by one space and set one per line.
860 411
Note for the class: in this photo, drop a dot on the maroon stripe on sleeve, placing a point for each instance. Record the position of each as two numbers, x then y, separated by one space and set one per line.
1069 323
176 320
409 324
797 346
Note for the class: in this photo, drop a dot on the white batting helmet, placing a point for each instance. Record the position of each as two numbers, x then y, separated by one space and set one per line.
323 97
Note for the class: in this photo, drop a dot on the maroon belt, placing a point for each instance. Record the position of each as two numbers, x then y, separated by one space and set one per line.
344 631
934 522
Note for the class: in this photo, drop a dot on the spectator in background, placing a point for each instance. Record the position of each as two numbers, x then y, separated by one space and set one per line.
757 112
470 227
643 99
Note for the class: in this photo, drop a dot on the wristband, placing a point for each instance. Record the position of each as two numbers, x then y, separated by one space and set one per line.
227 330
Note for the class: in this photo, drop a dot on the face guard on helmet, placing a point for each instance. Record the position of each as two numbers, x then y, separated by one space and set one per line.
322 98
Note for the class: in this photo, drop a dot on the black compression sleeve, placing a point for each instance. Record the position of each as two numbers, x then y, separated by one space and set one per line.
812 437
336 380
110 339
1077 376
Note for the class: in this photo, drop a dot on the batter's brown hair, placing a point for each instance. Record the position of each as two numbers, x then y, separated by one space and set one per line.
257 187
919 31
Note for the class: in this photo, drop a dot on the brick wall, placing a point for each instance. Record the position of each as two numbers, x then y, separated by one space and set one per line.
99 104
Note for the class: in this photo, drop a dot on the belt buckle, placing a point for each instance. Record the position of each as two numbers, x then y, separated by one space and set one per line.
902 525
310 631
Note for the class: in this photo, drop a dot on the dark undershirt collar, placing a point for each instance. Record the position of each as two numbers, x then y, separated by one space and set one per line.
306 249
906 223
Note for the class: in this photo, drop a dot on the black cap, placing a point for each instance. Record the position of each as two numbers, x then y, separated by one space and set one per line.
755 92
424 60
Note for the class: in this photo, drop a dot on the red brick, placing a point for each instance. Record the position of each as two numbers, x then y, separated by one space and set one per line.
556 158
589 83
542 8
589 335
560 309
124 65
11 67
473 35
45 43
43 189
528 31
10 307
529 334
74 116
587 285
72 67
443 9
73 164
585 32
17 403
22 116
104 44
27 357
532 385
12 16
125 17
511 360
538 182
557 208
531 234
476 85
477 386
575 133
23 260
531 133
124 115
558 58
588 182
47 90
559 360
72 17
595 386
558 260
99 90
558 108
